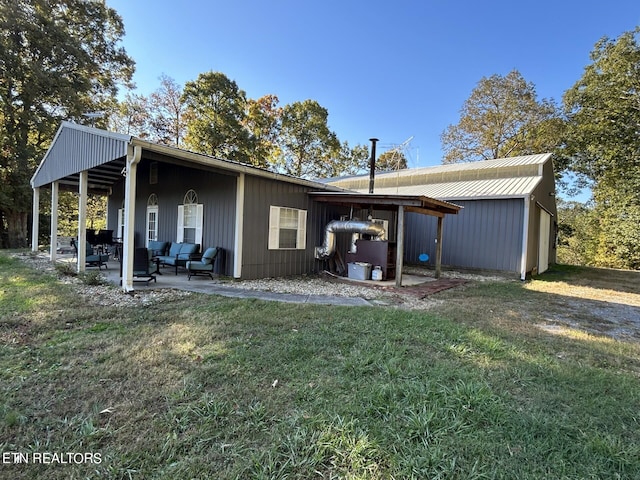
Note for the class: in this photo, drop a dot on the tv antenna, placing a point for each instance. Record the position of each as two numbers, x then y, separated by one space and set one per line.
93 116
398 152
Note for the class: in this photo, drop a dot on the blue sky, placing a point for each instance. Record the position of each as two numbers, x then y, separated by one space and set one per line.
386 69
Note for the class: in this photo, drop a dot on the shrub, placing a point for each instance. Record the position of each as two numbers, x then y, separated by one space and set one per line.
66 269
93 277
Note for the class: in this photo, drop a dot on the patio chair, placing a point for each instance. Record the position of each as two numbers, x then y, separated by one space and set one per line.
144 268
95 260
205 265
179 254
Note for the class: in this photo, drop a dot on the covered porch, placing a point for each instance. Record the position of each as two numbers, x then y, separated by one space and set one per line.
399 204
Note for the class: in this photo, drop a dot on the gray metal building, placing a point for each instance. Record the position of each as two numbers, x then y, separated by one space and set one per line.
508 221
265 222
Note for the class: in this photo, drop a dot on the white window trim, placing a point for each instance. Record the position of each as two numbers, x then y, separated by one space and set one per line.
274 228
199 223
151 209
120 234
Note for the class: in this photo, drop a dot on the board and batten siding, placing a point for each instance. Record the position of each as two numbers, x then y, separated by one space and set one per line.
485 234
257 260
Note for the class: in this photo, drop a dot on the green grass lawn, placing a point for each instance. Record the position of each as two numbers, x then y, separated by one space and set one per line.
209 387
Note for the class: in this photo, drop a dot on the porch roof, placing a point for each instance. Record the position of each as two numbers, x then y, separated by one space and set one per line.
411 203
77 148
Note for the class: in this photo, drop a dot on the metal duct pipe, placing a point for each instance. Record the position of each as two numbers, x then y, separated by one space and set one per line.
372 164
356 227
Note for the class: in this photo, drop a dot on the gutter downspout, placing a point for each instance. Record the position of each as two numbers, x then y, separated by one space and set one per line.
134 155
525 237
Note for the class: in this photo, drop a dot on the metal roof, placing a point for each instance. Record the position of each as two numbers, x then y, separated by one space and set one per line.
467 190
411 203
76 148
499 178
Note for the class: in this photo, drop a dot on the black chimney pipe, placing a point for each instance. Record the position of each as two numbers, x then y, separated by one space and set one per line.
372 164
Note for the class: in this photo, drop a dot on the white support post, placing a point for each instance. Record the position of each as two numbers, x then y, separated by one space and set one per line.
35 220
133 158
82 220
238 241
399 246
54 220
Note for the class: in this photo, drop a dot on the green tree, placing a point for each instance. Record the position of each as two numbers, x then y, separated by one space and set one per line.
58 60
344 161
167 113
263 122
216 111
131 116
393 159
502 118
576 224
603 145
307 144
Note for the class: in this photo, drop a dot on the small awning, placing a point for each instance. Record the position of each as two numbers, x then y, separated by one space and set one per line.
400 204
411 203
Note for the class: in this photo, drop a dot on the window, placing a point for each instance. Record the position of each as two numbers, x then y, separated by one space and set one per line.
190 219
120 234
152 218
287 228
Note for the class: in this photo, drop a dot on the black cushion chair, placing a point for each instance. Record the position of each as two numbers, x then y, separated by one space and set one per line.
97 259
144 268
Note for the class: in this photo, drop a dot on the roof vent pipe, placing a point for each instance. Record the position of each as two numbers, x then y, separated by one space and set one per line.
372 164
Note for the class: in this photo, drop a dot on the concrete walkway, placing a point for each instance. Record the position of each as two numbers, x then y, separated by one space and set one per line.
203 284
218 289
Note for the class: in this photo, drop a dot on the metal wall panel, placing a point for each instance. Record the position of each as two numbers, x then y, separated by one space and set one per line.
216 191
218 194
485 234
258 260
76 149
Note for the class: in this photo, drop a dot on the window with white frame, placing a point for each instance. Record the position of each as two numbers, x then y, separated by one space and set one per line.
190 219
287 228
120 234
152 218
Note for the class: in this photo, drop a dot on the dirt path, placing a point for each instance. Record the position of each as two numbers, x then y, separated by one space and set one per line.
599 301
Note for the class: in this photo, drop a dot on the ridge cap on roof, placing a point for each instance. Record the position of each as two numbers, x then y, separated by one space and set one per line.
534 159
66 124
506 162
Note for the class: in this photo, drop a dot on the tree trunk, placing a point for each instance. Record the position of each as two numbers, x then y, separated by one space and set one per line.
16 229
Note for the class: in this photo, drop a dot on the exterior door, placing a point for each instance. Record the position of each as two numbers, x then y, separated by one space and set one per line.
152 224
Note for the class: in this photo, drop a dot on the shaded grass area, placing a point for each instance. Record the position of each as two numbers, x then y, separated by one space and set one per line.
209 387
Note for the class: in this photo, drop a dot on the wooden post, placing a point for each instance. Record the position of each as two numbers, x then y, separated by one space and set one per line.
399 246
439 247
